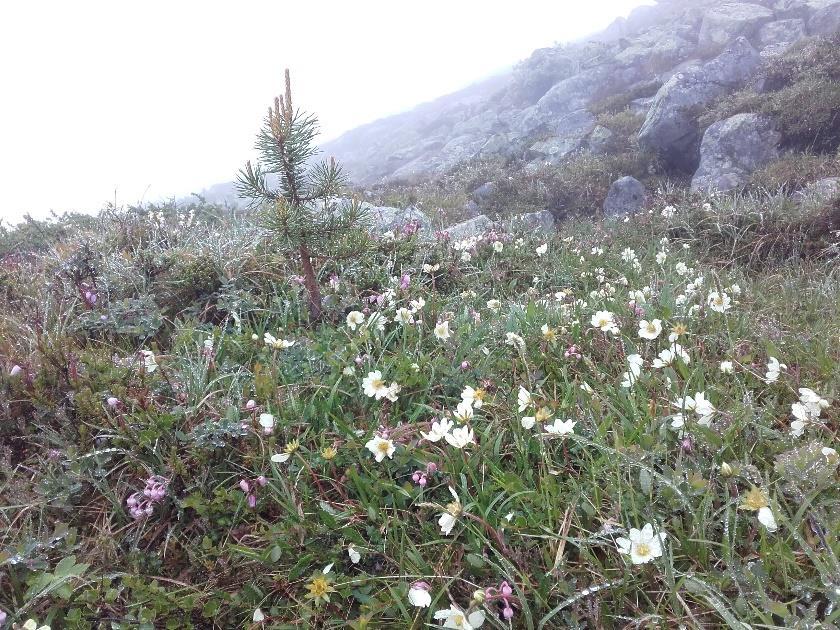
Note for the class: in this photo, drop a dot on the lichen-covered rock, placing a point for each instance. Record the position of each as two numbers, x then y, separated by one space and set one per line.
570 133
469 228
825 17
600 140
535 222
626 197
780 31
670 128
822 189
722 24
732 150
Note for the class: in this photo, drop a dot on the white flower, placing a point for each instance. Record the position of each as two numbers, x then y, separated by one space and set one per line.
15 371
498 246
355 556
373 385
448 519
417 305
466 256
460 437
635 363
512 339
727 367
149 362
774 369
660 257
668 212
650 329
404 316
561 427
442 331
355 318
719 302
524 399
474 397
418 595
766 518
280 458
430 269
494 305
464 411
682 269
528 422
797 428
258 616
542 249
604 321
349 370
267 422
438 431
643 545
699 405
454 617
628 255
380 447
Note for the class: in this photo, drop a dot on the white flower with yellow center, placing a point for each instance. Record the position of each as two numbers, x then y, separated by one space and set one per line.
381 448
439 430
460 437
354 319
473 396
650 329
404 316
450 516
456 618
641 545
561 427
719 302
524 399
605 322
442 331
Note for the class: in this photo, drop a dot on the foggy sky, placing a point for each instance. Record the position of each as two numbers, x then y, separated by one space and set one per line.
133 101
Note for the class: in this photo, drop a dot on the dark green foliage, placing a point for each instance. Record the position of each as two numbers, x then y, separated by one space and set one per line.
298 212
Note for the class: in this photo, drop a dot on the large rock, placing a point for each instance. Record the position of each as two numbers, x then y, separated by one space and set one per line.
382 219
656 50
469 228
782 31
724 23
601 140
626 196
535 222
732 150
571 131
825 17
670 128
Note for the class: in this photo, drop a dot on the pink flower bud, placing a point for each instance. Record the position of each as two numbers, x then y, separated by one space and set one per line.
252 501
431 468
415 477
15 371
507 612
465 365
244 485
251 404
505 589
422 481
261 480
113 402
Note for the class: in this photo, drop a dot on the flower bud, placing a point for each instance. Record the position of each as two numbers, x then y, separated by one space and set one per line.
726 470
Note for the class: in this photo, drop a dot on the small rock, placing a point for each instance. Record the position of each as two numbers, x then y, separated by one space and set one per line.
781 31
626 197
600 140
724 23
822 189
484 192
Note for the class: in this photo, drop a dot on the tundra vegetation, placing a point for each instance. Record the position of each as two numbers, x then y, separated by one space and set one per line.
206 421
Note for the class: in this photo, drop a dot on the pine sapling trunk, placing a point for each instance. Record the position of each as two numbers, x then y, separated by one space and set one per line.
311 283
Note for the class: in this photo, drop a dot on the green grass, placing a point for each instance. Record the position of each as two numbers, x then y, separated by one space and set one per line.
538 511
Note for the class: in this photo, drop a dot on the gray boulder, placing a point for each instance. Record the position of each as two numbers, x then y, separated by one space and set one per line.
571 131
469 228
626 197
724 23
732 150
782 31
825 17
670 128
382 218
535 222
600 140
483 192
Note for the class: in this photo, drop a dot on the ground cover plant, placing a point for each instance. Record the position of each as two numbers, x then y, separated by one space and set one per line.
628 424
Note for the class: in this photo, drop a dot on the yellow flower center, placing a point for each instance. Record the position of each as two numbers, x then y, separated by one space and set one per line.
479 394
755 500
383 447
680 329
377 383
453 508
319 587
292 446
329 453
458 619
643 549
651 328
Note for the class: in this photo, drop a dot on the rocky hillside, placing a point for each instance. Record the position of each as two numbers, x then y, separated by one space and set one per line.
664 64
